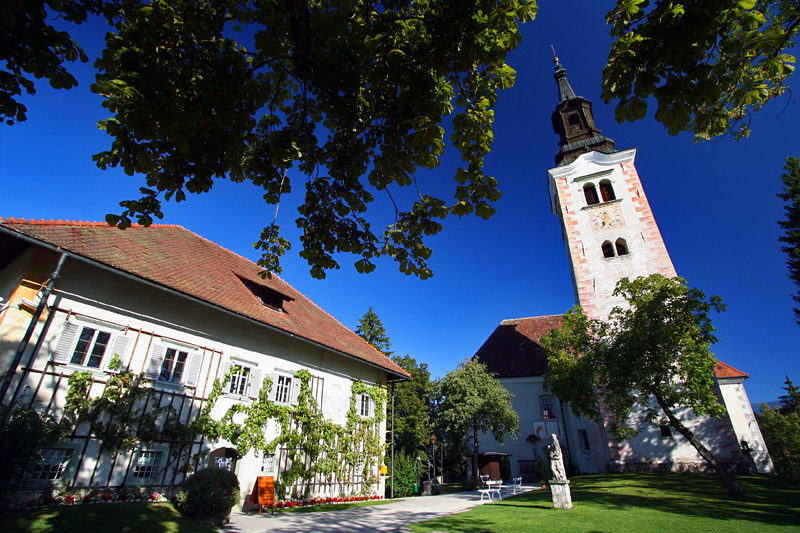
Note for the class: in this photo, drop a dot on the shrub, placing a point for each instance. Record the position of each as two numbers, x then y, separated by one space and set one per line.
208 496
405 475
25 432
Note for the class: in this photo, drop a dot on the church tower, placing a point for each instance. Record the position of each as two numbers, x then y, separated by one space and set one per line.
607 224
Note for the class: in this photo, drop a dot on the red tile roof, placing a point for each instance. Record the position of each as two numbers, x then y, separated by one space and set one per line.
178 259
723 370
513 349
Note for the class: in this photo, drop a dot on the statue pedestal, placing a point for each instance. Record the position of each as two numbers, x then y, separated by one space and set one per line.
562 499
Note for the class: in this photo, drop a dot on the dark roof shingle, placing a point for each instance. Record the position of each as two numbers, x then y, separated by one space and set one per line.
179 259
513 349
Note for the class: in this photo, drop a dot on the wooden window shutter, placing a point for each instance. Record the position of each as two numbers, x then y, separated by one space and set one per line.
156 360
255 382
193 375
119 347
66 343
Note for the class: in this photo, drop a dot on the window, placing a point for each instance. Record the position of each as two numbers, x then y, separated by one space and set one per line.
590 193
225 463
173 365
266 296
583 440
52 464
607 191
283 389
608 250
268 462
240 381
574 123
621 246
666 431
146 464
548 405
245 380
91 347
366 406
90 343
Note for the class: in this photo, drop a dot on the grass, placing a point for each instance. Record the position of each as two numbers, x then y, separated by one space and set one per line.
639 502
127 517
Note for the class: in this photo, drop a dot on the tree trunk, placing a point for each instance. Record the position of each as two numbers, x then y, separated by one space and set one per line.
475 477
727 478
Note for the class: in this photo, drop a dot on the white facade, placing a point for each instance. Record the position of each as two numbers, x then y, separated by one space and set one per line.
145 326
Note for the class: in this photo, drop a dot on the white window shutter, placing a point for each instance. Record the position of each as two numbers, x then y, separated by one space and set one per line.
255 383
66 343
226 367
156 360
273 391
119 348
194 369
295 391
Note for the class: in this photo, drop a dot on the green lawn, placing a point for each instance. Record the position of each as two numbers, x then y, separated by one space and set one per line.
639 502
102 518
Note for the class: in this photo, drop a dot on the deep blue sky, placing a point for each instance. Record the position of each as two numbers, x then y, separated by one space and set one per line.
715 204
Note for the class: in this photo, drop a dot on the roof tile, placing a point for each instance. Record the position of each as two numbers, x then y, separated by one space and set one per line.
179 259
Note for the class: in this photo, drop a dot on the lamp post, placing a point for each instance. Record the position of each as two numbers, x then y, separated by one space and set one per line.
441 459
433 454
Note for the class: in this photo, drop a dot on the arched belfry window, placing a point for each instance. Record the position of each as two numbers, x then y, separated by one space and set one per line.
590 193
607 191
574 123
608 249
622 247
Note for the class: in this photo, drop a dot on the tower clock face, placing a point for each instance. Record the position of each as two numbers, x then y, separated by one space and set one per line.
608 217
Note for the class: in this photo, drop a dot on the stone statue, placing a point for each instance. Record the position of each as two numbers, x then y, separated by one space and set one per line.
556 459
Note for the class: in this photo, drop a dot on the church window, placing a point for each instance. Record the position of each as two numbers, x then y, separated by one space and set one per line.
622 247
607 191
608 250
574 123
548 405
583 440
590 193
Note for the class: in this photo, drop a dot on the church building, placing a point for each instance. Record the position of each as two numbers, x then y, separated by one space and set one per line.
610 233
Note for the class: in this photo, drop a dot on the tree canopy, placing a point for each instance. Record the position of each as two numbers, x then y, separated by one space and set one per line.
370 328
412 407
791 225
708 63
651 356
354 95
781 429
473 401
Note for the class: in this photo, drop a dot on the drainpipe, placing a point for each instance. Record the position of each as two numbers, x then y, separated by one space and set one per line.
23 345
392 492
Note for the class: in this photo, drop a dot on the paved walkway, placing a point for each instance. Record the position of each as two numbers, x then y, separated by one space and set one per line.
376 518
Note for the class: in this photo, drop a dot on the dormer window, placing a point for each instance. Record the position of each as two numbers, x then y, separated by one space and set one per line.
266 296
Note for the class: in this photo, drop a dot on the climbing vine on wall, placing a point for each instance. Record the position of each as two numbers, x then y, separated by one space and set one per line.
314 445
122 418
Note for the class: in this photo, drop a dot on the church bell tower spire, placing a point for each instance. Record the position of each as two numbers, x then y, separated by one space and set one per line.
573 121
608 227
